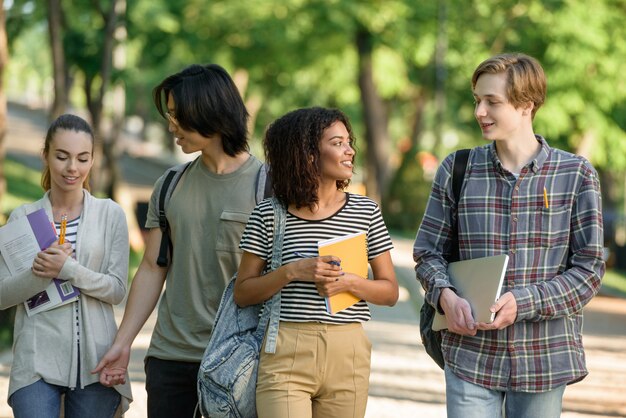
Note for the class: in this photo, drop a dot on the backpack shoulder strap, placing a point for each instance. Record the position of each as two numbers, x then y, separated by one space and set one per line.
263 183
458 172
172 177
458 175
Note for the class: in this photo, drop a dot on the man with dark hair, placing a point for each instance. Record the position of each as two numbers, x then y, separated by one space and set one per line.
542 207
207 214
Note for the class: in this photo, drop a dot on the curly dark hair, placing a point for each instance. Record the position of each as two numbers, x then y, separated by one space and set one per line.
292 151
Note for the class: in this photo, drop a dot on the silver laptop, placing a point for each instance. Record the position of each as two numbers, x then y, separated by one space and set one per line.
479 281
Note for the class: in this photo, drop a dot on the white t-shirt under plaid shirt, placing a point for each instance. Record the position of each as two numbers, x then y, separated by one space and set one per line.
300 301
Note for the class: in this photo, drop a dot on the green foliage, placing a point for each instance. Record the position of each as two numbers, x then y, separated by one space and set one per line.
408 194
22 16
297 53
302 52
22 185
29 67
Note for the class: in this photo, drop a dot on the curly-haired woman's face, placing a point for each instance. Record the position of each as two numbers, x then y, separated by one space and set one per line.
336 153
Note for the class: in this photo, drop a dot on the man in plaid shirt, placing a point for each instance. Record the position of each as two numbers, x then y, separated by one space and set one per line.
542 207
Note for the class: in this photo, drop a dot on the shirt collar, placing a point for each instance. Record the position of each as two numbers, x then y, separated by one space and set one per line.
535 165
543 155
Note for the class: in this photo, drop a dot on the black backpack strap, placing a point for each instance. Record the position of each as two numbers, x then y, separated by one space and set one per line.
167 188
432 339
263 183
458 175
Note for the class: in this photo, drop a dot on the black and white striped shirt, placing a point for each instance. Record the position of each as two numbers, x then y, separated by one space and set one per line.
71 231
300 301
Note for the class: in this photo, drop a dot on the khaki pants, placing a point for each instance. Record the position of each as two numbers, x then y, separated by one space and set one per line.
318 371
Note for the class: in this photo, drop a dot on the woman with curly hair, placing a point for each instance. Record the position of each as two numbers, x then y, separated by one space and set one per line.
322 362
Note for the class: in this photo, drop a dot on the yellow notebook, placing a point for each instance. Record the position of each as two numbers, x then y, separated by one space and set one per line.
352 250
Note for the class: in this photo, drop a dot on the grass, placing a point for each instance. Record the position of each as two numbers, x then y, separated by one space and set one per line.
22 185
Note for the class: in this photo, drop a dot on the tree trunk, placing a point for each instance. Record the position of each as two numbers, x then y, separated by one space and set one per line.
103 174
97 172
59 67
375 120
417 127
4 58
111 148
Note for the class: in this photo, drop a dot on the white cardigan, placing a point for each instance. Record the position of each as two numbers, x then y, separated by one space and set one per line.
44 345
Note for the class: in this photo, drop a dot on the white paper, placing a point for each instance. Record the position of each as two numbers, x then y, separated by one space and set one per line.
18 245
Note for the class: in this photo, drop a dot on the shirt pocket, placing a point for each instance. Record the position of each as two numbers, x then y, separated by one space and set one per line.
230 229
551 227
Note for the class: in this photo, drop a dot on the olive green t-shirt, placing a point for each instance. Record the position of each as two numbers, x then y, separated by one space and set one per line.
207 214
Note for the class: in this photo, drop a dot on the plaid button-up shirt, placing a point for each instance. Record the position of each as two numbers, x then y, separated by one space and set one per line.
555 263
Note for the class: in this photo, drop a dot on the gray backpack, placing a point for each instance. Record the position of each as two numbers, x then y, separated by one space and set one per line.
228 370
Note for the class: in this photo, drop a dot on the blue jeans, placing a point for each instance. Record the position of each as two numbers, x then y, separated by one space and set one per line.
172 388
43 400
467 400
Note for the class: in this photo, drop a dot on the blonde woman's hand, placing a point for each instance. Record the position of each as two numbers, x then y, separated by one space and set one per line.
48 263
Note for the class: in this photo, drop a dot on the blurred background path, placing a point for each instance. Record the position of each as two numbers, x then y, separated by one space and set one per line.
404 381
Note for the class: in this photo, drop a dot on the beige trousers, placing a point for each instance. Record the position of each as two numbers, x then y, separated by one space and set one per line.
318 371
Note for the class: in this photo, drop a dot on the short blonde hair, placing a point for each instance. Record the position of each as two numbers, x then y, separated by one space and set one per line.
526 81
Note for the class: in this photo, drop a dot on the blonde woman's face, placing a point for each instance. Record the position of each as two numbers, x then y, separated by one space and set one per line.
69 158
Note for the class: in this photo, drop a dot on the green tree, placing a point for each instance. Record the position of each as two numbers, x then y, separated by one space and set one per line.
60 72
82 37
88 44
400 69
328 53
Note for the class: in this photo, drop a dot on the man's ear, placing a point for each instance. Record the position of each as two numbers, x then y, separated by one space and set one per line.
527 108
